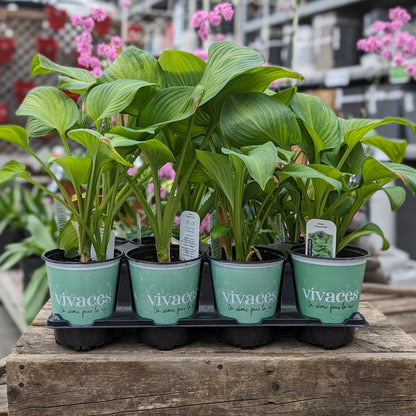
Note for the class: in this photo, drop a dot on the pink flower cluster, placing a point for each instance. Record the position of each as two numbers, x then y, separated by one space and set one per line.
84 42
203 21
392 44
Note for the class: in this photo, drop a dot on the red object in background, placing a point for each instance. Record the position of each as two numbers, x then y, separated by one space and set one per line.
102 28
56 17
7 47
71 95
21 88
47 47
4 111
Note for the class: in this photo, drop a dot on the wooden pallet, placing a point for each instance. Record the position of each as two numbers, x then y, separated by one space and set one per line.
374 375
397 303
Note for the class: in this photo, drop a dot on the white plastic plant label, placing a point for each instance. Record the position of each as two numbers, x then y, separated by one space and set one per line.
60 214
189 235
321 237
110 247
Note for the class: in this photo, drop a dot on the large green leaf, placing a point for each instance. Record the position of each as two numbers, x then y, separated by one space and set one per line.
113 97
367 229
225 60
356 129
51 107
376 171
133 63
395 149
97 146
406 173
76 168
10 171
256 118
16 135
157 153
396 195
181 68
170 105
43 65
220 170
307 172
319 120
260 162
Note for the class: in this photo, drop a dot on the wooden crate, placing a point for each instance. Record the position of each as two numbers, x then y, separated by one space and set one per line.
374 375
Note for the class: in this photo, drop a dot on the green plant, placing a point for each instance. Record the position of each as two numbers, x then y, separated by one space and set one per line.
336 149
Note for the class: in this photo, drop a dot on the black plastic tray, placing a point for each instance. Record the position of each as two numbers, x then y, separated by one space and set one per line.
228 330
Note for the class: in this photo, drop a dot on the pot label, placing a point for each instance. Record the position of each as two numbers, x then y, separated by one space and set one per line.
189 235
321 236
250 303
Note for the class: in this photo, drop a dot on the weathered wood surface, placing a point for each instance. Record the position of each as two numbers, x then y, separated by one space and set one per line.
397 303
3 388
374 375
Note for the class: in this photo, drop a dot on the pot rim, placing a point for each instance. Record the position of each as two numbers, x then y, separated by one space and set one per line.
251 263
118 254
351 253
155 264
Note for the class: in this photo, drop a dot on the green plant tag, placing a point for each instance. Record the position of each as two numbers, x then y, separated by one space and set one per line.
321 236
60 214
189 236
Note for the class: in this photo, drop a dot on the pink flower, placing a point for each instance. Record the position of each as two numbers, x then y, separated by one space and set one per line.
387 54
84 60
151 188
387 40
226 9
99 14
163 193
398 60
203 54
116 42
204 31
95 62
204 227
177 221
411 70
125 3
167 172
88 24
76 20
219 37
214 18
96 72
399 14
101 49
198 18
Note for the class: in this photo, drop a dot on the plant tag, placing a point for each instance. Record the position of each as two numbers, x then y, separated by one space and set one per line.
215 242
110 247
139 229
189 236
60 214
321 236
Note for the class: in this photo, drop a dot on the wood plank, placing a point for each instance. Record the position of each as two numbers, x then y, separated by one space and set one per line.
374 375
387 289
395 305
3 388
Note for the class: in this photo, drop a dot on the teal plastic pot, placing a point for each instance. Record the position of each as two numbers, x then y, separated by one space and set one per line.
82 292
163 292
248 291
329 289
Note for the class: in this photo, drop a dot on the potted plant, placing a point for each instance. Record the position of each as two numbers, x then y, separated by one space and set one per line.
96 177
335 148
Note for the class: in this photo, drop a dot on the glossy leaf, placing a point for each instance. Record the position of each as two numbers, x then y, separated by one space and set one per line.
260 162
157 153
51 107
256 118
367 229
76 168
10 171
133 63
16 135
113 97
181 68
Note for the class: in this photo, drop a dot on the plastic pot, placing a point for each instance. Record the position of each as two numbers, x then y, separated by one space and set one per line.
82 293
329 288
